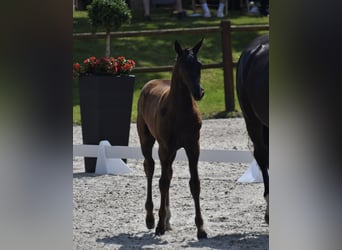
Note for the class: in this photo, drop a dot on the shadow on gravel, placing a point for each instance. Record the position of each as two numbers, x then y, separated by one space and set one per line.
133 241
255 241
82 175
230 241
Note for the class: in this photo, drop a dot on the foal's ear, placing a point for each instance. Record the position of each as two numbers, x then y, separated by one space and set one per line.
197 46
178 48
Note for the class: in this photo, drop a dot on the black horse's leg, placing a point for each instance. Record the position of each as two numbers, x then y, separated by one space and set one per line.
264 170
192 152
147 142
262 160
259 136
166 159
266 192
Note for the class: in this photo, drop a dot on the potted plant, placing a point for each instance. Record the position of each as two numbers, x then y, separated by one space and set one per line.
110 15
106 93
105 84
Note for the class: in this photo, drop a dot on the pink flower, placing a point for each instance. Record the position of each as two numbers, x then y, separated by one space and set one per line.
77 66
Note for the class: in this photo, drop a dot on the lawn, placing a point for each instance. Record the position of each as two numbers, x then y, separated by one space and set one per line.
158 51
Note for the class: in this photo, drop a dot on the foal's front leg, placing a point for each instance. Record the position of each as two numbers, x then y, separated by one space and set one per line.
192 152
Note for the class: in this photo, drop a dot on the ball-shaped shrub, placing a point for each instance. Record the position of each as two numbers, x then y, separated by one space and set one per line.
109 14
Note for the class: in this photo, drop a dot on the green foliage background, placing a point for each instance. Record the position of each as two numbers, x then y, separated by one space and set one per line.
158 51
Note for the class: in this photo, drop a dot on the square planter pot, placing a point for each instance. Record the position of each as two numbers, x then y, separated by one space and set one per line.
106 107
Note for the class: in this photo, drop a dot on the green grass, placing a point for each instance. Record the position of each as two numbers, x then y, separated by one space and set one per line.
158 51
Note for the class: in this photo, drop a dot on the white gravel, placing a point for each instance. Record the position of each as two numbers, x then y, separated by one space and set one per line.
109 210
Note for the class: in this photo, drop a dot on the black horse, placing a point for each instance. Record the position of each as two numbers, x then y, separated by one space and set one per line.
252 90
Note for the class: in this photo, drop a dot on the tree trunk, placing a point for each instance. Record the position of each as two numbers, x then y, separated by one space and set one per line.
108 44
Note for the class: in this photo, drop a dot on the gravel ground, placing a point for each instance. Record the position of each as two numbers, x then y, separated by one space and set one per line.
109 210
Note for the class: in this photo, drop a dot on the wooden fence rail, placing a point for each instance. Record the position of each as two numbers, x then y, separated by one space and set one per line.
227 62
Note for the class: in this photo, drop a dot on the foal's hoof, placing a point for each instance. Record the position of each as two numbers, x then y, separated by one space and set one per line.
149 223
160 231
168 226
202 235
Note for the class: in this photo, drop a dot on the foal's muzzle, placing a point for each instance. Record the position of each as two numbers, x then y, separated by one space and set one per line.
199 94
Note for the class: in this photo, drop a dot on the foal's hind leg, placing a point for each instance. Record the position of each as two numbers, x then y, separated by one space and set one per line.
147 142
192 152
167 202
166 158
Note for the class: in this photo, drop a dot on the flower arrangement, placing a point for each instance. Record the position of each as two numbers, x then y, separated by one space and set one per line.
104 66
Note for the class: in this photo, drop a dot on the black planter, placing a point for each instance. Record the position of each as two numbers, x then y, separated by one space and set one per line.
106 107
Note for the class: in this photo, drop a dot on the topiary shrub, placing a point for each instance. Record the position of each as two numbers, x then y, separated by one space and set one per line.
110 15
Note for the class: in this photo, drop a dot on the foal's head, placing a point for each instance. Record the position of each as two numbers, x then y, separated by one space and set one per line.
189 68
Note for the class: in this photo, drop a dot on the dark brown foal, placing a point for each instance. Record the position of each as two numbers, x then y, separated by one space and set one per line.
168 113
